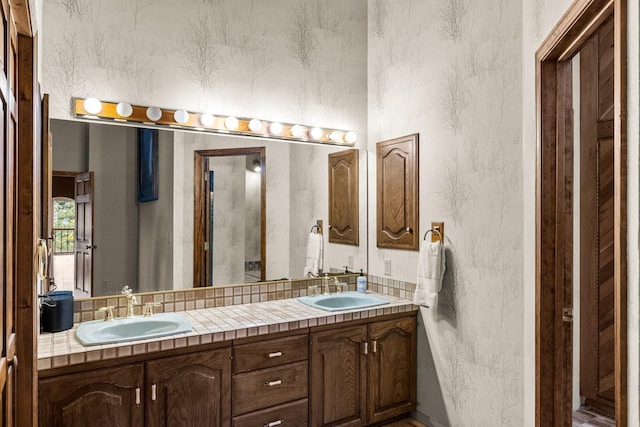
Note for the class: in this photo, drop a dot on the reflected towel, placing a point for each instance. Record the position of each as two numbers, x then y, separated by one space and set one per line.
313 261
431 266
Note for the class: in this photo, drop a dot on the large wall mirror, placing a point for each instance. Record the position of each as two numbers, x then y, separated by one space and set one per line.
105 238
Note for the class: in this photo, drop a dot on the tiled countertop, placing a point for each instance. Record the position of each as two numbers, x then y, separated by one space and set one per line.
210 325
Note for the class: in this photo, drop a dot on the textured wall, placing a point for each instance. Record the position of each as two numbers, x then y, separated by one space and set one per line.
451 71
223 56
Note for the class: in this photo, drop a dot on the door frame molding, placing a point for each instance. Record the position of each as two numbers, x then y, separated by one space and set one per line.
554 215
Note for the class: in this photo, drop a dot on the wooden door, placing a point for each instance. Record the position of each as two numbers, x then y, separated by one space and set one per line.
343 198
392 368
84 244
597 324
338 377
190 390
104 397
398 217
8 207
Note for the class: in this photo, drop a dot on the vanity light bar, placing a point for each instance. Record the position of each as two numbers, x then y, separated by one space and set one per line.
91 108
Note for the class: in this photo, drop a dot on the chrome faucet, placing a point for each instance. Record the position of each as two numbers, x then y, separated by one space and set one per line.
339 286
131 300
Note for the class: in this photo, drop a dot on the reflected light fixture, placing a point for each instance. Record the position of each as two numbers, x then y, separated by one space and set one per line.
315 133
92 105
350 137
255 125
124 109
231 123
296 131
154 113
206 119
275 128
181 116
256 166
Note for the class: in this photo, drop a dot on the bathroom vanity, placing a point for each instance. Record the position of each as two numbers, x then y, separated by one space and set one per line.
301 366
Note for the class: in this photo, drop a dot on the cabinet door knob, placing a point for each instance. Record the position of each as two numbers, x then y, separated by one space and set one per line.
154 395
137 396
374 346
274 354
409 230
272 383
366 347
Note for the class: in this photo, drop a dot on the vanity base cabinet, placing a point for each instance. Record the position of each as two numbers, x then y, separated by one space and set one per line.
189 390
363 375
392 368
105 397
338 377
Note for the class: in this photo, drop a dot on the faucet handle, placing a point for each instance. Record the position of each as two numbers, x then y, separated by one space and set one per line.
126 291
338 284
109 312
148 308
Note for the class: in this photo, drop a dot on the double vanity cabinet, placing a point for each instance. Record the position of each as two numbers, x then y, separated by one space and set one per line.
345 374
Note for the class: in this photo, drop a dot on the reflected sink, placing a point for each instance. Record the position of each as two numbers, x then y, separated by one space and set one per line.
99 332
343 301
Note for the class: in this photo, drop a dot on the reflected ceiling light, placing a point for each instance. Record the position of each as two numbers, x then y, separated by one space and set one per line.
231 123
350 137
154 113
181 116
123 109
275 128
315 133
92 105
333 136
256 166
296 131
206 119
255 125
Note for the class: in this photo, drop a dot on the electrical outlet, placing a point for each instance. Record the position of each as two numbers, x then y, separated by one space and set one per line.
387 267
350 261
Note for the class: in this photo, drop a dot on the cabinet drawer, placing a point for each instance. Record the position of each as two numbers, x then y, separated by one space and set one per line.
261 389
265 354
292 414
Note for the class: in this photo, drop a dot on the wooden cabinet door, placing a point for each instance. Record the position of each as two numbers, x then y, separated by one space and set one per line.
397 199
338 377
104 397
189 390
392 368
343 198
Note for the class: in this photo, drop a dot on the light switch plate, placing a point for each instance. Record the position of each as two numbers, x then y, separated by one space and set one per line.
387 267
350 261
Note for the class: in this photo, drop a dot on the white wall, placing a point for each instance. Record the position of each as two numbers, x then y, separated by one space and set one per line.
451 71
280 60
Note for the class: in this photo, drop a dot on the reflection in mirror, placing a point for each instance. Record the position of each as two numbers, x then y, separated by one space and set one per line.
150 246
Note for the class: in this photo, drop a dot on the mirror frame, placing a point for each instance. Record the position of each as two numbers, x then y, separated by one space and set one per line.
201 263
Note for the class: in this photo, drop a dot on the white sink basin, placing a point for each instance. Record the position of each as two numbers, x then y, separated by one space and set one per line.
343 301
99 332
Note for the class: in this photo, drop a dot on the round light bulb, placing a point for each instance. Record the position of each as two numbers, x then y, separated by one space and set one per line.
123 109
231 123
255 125
181 116
92 105
333 136
350 137
154 113
275 128
206 119
296 131
315 133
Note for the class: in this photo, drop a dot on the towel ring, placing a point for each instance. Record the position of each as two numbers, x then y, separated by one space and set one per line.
432 230
316 227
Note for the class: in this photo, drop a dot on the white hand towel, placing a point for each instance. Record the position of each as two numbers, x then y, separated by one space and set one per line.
313 261
431 266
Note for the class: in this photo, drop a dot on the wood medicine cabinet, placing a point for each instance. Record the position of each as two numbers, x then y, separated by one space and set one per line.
397 193
343 197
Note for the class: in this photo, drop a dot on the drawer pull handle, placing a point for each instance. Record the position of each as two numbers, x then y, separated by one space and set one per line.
273 423
272 383
275 354
154 395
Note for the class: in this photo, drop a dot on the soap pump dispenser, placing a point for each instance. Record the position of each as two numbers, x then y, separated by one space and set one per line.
361 283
